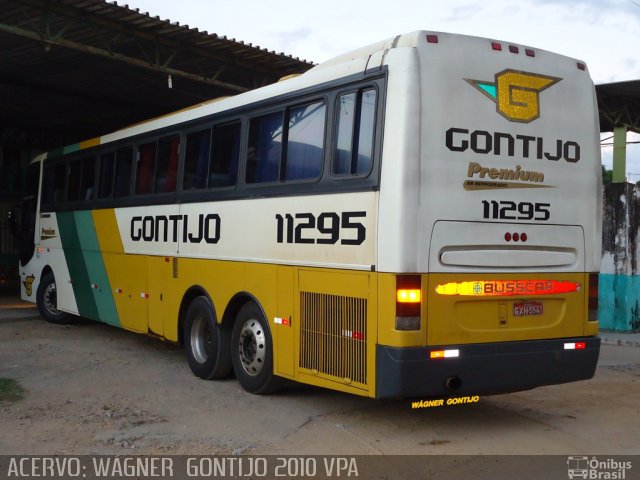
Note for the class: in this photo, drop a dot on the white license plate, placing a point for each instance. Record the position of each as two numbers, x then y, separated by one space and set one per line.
525 309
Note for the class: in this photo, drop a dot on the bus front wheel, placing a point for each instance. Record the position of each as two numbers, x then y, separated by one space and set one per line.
207 344
47 301
252 351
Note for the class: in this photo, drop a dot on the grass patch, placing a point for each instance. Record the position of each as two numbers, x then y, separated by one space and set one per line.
10 390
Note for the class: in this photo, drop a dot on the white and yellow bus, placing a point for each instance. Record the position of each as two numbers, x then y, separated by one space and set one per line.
420 217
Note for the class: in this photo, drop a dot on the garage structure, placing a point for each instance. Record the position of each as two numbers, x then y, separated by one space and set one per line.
72 70
619 106
75 69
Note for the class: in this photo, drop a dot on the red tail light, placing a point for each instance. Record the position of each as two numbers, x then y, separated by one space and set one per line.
593 297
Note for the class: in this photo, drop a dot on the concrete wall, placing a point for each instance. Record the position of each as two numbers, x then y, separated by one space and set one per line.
619 301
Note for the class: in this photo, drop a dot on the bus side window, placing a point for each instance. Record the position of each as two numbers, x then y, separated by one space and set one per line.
54 183
107 165
305 142
223 171
196 159
73 189
265 148
167 164
122 181
144 168
353 154
88 178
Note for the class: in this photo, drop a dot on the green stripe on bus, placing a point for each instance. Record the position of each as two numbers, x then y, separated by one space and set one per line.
77 265
90 282
102 293
71 148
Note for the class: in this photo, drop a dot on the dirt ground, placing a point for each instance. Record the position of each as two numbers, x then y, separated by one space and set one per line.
94 389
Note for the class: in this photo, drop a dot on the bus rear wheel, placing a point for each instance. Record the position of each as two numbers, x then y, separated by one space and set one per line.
47 301
252 352
206 343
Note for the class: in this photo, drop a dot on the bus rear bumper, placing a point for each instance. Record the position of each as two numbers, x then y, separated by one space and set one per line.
484 368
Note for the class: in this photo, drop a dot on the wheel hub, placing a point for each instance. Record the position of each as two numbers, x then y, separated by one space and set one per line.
252 349
201 339
50 299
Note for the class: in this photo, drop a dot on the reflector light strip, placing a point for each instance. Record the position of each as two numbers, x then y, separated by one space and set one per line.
353 334
507 288
575 346
281 321
444 353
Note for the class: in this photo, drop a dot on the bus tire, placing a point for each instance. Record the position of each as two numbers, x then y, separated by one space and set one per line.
47 301
207 344
252 351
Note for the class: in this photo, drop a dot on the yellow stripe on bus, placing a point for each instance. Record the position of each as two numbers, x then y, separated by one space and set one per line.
127 273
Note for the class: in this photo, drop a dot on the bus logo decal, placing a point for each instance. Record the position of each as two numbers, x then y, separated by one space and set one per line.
515 93
47 234
28 285
507 288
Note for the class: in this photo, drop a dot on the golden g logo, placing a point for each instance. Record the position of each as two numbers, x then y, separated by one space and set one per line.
28 284
516 94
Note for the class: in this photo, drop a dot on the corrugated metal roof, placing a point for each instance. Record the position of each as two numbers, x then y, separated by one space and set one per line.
72 69
619 105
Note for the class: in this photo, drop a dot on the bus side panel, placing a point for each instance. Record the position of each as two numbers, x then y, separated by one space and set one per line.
162 295
284 333
127 274
49 253
337 329
222 280
89 278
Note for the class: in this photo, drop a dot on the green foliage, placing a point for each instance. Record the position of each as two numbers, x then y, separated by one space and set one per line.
10 390
607 175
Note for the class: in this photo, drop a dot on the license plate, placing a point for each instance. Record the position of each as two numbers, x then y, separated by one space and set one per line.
527 309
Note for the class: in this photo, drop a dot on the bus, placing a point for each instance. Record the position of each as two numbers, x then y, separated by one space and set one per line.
419 217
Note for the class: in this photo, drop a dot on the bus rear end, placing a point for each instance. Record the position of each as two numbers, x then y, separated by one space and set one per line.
503 243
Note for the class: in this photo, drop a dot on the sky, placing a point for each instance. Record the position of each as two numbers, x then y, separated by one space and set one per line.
603 33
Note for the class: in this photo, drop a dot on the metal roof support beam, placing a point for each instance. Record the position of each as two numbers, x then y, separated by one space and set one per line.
73 12
120 57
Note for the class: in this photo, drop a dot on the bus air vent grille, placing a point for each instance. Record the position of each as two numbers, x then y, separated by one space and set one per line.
333 336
